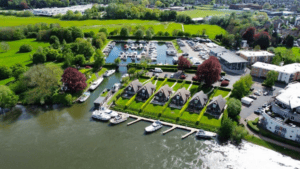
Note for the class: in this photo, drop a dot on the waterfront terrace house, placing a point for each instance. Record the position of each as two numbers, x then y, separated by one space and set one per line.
256 56
180 98
162 95
286 73
229 61
197 102
285 119
145 92
132 89
216 106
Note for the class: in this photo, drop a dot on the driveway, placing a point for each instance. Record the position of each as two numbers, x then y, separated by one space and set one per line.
248 111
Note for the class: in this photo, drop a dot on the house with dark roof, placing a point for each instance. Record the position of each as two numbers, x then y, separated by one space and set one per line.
162 95
145 92
197 102
216 106
180 98
132 89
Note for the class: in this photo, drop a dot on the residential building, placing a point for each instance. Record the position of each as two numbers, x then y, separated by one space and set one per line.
132 88
229 61
285 119
145 92
162 95
197 102
255 56
216 106
286 73
180 98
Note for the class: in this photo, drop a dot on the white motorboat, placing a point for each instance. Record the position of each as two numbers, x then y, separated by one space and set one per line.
175 60
124 57
134 53
84 96
99 115
138 57
109 72
141 46
145 48
129 54
205 134
109 112
125 75
116 87
119 118
171 52
96 83
143 53
154 126
153 59
133 58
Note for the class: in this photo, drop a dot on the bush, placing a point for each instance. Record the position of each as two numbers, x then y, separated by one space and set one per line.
223 73
52 55
5 72
39 58
252 126
25 48
68 100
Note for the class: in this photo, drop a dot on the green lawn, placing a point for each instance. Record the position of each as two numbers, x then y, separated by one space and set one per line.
177 86
102 71
171 113
158 82
143 79
210 120
136 105
153 108
194 89
12 56
203 13
295 50
170 84
5 81
186 86
122 101
211 30
221 92
187 116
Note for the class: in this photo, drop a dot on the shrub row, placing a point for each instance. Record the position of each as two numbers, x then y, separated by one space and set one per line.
252 126
184 107
224 88
130 101
223 73
172 80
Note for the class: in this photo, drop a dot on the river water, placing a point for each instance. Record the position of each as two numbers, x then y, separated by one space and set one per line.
67 138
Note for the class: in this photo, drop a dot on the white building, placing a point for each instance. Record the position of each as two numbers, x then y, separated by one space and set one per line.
254 56
287 73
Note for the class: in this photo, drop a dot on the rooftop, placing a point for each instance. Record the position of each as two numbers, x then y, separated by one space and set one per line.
255 53
290 95
290 68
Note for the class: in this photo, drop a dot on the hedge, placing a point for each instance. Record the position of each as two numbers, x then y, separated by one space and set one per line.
144 38
224 88
190 71
223 73
172 80
130 101
110 65
252 126
147 102
184 107
188 82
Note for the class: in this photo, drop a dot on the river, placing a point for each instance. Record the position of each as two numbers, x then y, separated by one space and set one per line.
67 138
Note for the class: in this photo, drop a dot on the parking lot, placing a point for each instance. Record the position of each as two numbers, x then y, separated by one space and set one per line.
176 75
248 111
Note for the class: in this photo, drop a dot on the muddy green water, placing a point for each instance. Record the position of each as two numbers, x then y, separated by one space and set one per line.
67 138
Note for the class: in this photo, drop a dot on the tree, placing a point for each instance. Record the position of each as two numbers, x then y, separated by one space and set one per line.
238 134
267 6
4 46
38 58
42 81
104 30
82 46
209 70
5 72
249 34
74 80
262 39
79 60
226 129
242 87
167 34
8 99
117 61
234 107
17 70
99 60
149 34
159 33
289 41
25 48
183 63
131 71
257 48
124 32
271 78
53 39
139 34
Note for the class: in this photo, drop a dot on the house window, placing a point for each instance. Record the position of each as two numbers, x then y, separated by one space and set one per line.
129 88
160 94
143 90
214 105
177 97
292 118
196 101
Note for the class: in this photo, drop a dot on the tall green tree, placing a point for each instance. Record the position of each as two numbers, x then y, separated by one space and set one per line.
8 99
234 107
226 129
238 134
124 32
271 78
242 87
99 60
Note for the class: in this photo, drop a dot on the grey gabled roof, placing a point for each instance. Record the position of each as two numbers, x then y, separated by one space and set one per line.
219 100
201 96
185 94
136 85
227 55
149 87
166 90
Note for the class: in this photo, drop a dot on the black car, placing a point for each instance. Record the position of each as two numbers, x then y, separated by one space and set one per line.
166 75
251 89
257 111
185 54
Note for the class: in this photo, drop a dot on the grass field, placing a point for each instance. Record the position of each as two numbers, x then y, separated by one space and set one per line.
12 56
158 82
223 93
136 105
204 13
122 101
143 79
170 84
186 86
295 50
153 108
210 120
171 113
187 116
211 30
177 86
5 81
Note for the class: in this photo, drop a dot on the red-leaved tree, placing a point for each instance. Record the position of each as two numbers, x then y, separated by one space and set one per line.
24 5
183 63
74 79
249 34
209 70
262 39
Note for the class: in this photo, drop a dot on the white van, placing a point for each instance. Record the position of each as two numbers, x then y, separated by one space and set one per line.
247 101
157 70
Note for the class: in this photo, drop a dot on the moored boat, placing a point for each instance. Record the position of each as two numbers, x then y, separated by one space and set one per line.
119 118
154 126
205 134
84 96
109 72
96 83
99 115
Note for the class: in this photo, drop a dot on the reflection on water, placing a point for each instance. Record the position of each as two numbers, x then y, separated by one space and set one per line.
64 138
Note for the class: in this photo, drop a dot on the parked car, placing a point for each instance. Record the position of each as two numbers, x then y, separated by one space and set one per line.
266 93
221 79
158 70
273 88
264 105
251 89
257 111
195 78
166 75
172 75
150 70
257 93
225 83
227 79
182 76
253 97
185 54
